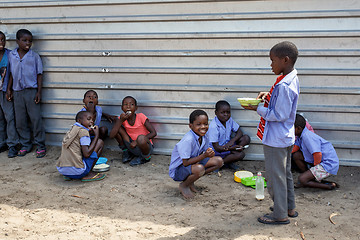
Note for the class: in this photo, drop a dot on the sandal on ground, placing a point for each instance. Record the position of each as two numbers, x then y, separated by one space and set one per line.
332 185
67 178
22 152
97 177
40 153
267 219
292 216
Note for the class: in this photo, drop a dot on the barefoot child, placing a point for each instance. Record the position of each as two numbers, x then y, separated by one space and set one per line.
78 153
277 132
136 131
191 157
315 150
221 129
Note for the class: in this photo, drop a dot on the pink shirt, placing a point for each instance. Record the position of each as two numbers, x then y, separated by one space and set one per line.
138 128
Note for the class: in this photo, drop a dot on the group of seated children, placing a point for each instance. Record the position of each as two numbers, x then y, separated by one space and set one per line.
83 143
21 86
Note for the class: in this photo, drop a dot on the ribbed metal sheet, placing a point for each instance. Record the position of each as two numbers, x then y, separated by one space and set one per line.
177 56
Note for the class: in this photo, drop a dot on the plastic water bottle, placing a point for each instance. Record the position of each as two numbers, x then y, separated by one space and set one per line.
259 187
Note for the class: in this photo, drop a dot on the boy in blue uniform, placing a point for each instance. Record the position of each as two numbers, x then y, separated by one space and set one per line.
314 150
221 129
25 85
277 132
8 134
191 157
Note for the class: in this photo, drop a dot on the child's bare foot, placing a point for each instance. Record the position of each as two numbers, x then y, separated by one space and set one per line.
186 191
193 188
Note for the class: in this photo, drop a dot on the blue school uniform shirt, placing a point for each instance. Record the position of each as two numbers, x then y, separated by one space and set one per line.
73 170
280 114
188 147
310 143
218 133
25 70
98 110
5 63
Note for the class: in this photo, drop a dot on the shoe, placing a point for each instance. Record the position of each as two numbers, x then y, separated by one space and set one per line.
127 156
3 148
233 166
12 152
22 152
267 219
40 153
96 177
137 161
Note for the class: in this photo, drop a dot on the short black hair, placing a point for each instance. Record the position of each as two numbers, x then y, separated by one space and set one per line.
90 91
22 32
195 114
286 49
122 103
1 33
300 121
80 115
221 103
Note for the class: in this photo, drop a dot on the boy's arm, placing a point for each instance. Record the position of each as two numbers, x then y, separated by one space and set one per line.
88 150
317 158
115 130
39 84
295 148
232 141
110 118
219 148
9 95
152 132
208 153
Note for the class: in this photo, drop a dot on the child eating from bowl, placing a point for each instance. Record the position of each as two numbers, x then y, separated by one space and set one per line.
78 153
226 137
192 157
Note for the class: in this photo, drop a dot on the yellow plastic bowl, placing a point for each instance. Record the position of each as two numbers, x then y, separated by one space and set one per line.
246 101
238 175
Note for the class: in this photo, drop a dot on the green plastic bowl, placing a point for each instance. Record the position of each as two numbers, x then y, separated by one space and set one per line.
246 101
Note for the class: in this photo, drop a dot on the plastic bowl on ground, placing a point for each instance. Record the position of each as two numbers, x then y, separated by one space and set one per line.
246 101
238 175
101 167
101 160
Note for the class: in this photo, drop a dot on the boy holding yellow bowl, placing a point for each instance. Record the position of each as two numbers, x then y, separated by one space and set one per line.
277 132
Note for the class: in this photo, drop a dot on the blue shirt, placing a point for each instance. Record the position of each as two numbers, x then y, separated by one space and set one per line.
5 63
187 148
98 110
311 143
280 114
25 70
220 134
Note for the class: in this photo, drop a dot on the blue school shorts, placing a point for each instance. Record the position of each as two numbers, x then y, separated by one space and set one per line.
88 165
182 172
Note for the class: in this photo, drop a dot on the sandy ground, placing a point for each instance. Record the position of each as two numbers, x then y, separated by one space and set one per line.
144 203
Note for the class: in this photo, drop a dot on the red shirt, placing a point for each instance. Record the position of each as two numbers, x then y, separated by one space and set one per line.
138 128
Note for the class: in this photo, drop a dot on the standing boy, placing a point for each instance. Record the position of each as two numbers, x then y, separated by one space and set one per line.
26 84
8 134
277 132
192 157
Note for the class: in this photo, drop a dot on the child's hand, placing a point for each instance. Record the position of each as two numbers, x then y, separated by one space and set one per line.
95 129
133 144
250 107
262 95
111 118
125 116
9 95
209 153
37 97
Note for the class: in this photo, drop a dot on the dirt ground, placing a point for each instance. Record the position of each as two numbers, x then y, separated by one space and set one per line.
143 202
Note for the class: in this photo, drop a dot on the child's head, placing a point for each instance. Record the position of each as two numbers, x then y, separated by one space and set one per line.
223 111
299 124
24 39
198 122
90 97
129 103
2 41
283 57
85 118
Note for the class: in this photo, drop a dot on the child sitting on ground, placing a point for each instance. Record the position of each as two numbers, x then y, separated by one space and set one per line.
78 153
315 150
91 105
221 136
136 132
192 157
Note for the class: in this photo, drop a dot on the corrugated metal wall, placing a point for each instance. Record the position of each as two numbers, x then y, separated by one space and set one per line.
176 56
